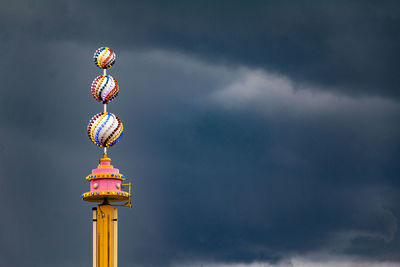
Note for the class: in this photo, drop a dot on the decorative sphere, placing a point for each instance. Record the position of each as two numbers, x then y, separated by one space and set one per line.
105 129
118 185
105 88
104 58
95 185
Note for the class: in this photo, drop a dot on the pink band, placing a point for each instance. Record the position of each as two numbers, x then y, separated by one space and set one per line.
105 170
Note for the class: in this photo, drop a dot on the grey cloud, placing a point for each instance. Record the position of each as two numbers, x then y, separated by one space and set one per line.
351 46
211 184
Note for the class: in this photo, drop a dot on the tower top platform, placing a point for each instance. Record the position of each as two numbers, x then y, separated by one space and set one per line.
106 184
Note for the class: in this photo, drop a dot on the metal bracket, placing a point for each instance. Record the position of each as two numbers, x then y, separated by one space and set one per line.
128 203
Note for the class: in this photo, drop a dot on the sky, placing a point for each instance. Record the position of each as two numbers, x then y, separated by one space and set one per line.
256 133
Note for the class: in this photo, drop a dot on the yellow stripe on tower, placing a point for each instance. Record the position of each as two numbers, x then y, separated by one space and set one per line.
95 125
100 58
100 82
98 85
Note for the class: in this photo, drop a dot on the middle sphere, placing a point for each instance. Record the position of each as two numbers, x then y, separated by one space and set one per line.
105 129
104 88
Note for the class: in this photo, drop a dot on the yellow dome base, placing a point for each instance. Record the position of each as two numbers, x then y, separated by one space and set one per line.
111 196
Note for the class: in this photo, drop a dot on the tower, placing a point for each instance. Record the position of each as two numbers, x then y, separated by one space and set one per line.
107 185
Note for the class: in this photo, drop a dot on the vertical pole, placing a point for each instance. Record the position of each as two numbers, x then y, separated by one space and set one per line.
94 237
106 236
115 237
105 110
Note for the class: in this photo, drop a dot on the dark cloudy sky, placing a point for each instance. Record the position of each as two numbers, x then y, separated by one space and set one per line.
257 133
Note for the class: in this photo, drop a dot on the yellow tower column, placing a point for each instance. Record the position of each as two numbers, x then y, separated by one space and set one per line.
94 237
105 228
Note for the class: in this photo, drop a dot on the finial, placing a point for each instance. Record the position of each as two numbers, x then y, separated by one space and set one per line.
104 58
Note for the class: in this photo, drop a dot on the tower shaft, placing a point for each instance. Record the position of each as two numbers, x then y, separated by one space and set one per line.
105 236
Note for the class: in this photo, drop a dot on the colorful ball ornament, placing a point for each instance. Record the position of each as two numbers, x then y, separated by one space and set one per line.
105 129
104 58
105 88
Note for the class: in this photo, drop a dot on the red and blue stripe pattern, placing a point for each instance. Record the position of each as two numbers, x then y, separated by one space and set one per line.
105 88
104 58
105 129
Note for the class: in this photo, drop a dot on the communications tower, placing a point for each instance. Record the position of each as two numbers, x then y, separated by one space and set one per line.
107 185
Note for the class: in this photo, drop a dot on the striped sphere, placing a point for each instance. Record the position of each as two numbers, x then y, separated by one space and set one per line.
105 129
104 58
105 88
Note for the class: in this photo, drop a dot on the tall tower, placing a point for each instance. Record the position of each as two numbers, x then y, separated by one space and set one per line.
106 182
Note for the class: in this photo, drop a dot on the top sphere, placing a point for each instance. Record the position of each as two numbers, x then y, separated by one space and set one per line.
104 58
